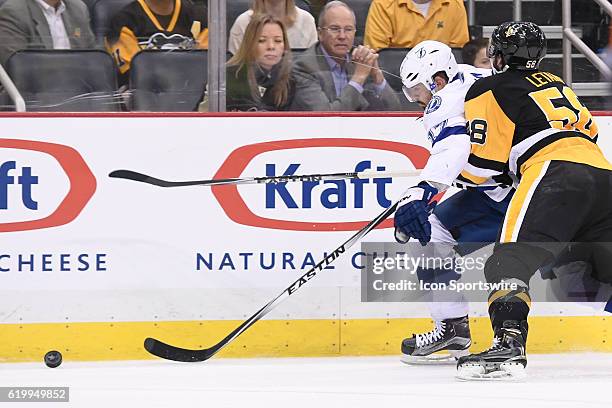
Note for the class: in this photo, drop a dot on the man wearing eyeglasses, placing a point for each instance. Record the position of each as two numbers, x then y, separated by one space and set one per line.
333 76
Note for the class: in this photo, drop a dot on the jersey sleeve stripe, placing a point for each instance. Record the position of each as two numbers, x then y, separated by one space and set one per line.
520 148
524 151
472 178
486 163
449 131
464 180
480 172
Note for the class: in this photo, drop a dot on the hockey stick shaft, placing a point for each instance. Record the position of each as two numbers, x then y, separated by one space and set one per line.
144 178
170 352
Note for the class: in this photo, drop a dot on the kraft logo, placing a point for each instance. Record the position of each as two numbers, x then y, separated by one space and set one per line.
17 178
278 195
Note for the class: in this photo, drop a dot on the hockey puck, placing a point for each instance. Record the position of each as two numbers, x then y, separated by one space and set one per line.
53 358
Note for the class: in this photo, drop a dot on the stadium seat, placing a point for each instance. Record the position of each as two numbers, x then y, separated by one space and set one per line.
457 54
168 81
389 60
65 80
361 8
235 8
102 12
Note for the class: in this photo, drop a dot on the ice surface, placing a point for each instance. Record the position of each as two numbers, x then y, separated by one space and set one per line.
566 380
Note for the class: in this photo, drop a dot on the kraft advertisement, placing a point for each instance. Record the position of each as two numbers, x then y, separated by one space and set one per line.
79 246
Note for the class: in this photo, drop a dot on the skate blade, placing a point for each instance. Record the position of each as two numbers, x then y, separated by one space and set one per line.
506 372
435 359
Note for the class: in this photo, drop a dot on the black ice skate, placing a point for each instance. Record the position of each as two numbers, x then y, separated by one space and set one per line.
450 335
505 359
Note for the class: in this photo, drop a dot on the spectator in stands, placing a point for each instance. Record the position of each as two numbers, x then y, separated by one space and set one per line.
43 24
154 24
301 28
475 53
258 76
405 23
329 77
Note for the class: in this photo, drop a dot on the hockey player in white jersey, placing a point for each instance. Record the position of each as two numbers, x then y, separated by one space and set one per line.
432 78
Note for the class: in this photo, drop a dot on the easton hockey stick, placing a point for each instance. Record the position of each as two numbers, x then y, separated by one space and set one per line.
169 352
143 178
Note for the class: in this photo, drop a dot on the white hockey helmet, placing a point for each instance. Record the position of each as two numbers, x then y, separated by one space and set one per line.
422 62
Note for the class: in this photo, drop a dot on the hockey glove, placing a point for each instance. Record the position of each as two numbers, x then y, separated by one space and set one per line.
412 215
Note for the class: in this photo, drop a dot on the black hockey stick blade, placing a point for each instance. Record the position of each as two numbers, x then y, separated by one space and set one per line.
143 178
170 352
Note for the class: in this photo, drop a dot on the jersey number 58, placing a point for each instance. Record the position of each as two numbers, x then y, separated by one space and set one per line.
564 111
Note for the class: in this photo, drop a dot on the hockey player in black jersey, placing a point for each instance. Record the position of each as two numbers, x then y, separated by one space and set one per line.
531 122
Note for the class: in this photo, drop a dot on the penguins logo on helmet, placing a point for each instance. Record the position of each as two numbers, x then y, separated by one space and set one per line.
522 45
421 52
510 31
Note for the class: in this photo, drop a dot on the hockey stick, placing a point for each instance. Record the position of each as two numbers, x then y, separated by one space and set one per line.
169 352
143 178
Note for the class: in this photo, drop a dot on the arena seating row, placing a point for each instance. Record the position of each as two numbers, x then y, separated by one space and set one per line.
487 13
162 86
101 12
159 80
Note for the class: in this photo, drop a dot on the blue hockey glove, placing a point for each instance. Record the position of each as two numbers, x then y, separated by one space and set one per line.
412 215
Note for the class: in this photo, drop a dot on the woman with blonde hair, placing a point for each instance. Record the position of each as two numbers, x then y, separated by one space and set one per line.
300 24
258 76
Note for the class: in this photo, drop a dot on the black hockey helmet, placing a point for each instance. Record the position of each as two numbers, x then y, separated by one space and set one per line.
521 43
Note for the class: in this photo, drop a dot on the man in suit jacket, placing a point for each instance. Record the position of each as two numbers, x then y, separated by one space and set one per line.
43 24
329 77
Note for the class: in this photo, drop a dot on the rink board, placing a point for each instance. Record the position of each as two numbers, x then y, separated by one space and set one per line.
92 265
282 338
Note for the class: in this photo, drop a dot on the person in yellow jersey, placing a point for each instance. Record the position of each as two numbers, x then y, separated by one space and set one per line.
406 23
531 124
